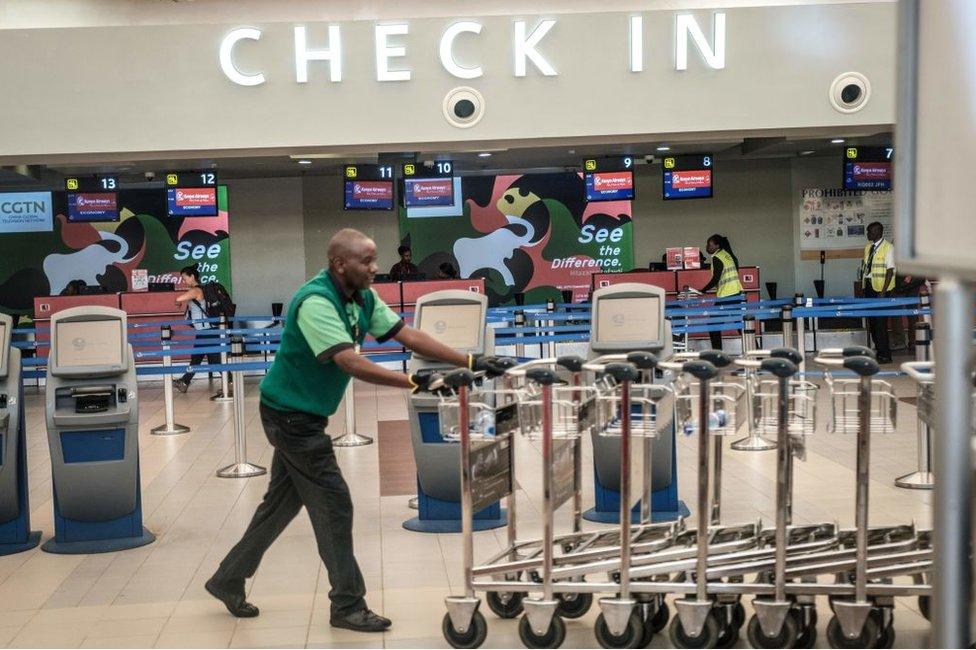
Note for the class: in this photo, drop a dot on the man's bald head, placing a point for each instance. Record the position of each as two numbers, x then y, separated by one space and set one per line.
347 243
352 259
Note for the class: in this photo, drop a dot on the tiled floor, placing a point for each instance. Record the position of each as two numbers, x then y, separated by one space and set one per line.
153 596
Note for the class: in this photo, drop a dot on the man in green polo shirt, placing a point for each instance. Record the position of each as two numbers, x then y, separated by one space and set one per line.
327 320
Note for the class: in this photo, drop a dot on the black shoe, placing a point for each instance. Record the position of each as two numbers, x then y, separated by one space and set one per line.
364 620
883 360
233 601
180 385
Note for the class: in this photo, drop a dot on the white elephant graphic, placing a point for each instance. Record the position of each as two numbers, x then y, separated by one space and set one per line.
86 264
491 251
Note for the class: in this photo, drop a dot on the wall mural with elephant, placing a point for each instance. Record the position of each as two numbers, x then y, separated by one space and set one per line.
105 253
533 234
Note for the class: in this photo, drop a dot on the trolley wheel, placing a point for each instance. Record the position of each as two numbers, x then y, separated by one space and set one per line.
707 638
660 619
924 604
738 615
785 639
867 639
728 635
472 638
632 636
502 608
574 605
886 637
553 638
806 635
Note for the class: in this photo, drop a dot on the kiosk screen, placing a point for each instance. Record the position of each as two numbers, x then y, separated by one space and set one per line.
89 343
629 319
456 326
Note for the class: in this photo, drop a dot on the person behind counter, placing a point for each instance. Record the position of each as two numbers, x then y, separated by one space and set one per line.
446 271
725 278
405 267
877 281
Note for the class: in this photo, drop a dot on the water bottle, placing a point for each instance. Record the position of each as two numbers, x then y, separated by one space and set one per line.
723 417
713 421
484 423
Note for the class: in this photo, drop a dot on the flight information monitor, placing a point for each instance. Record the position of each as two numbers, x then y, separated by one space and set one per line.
368 187
428 186
191 194
83 344
609 179
688 176
93 206
868 168
456 326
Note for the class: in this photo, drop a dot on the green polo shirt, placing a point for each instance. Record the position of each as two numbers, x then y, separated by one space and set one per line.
326 333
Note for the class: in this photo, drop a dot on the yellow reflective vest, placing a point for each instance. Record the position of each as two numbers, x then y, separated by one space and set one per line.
728 282
877 270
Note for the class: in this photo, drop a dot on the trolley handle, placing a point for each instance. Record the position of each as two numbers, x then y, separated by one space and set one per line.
521 369
642 360
571 362
849 351
863 366
781 367
623 372
457 378
542 376
791 354
716 357
700 369
921 371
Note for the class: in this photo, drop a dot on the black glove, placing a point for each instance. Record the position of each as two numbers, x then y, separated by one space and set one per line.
426 381
491 365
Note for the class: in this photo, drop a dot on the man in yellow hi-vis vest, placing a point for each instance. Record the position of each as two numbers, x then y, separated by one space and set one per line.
877 281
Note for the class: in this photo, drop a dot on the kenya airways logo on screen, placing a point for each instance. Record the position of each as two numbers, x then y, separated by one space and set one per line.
691 179
197 197
612 181
872 171
372 190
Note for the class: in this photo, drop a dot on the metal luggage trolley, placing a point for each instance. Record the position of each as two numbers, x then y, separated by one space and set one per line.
845 393
539 409
879 555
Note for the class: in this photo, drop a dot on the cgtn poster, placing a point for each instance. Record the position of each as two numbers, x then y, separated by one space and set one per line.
26 212
534 234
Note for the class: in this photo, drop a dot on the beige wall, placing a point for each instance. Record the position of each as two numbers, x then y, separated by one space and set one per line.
751 206
150 90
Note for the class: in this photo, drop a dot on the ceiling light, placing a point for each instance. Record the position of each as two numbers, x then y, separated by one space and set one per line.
304 162
664 148
837 141
484 154
807 152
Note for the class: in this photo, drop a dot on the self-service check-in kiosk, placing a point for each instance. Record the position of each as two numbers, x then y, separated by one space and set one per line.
629 317
93 433
15 532
457 319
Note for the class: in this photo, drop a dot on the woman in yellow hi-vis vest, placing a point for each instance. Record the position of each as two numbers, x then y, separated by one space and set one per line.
725 278
877 281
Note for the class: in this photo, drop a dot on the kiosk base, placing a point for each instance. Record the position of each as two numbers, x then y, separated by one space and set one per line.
98 545
9 548
665 505
439 516
657 514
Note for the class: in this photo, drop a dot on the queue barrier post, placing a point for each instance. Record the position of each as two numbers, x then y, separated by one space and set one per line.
551 345
350 438
519 322
801 339
223 395
241 468
922 478
753 441
787 320
170 428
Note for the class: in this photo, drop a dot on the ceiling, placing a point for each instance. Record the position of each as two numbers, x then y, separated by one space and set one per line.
466 159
